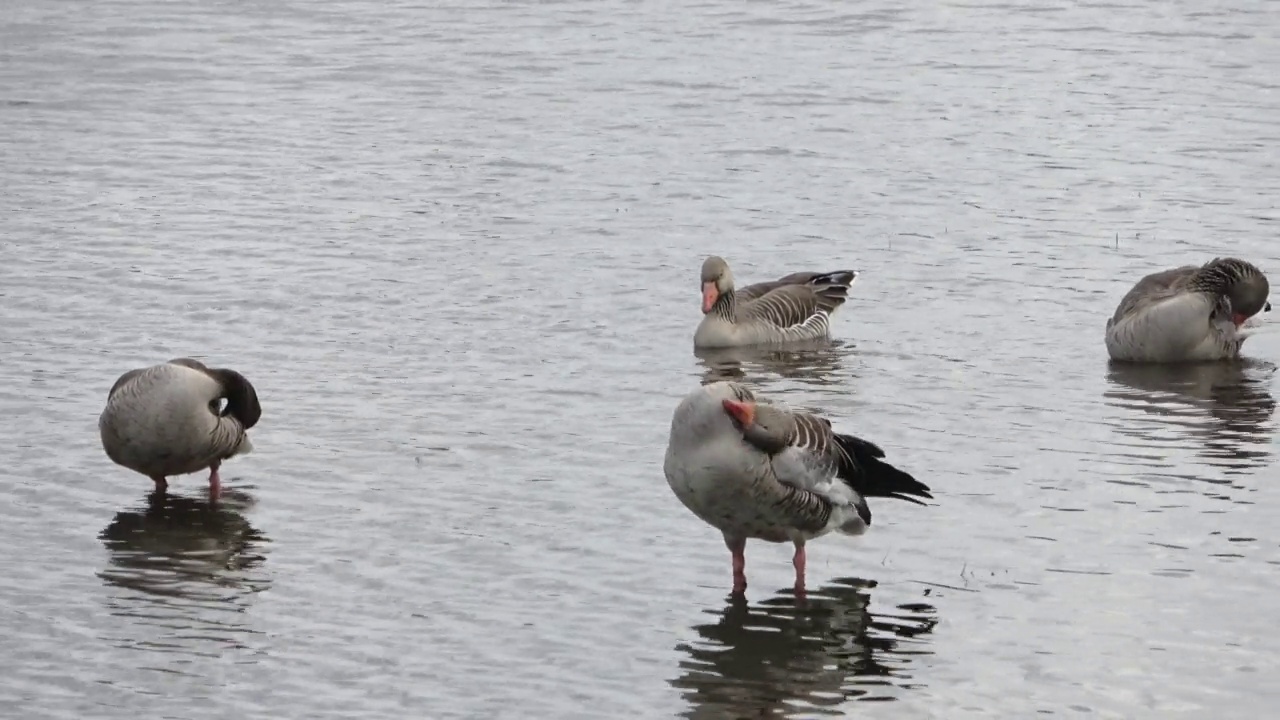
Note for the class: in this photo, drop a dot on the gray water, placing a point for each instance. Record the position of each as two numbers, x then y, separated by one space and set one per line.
456 249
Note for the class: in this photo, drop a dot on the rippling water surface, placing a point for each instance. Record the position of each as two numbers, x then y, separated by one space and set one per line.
456 249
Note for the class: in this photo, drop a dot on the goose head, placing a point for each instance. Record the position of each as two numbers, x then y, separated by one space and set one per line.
717 279
765 426
240 395
1246 288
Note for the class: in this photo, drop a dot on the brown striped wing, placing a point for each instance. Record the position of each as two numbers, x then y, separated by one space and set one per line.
788 306
751 292
813 436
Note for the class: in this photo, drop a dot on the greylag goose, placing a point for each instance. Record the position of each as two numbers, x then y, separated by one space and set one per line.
1189 313
755 470
794 308
165 420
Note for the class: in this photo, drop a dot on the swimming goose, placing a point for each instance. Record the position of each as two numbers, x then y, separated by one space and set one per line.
794 308
1189 313
165 420
755 470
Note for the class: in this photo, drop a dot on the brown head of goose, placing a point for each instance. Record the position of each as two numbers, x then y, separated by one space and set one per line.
178 417
756 470
794 308
1186 314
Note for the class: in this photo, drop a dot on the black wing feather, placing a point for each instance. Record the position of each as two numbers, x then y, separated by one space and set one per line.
862 467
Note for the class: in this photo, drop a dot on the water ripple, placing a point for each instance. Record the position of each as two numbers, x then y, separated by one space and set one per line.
188 571
456 249
798 658
1223 409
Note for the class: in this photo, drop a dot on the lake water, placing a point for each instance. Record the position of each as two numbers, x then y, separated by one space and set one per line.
456 249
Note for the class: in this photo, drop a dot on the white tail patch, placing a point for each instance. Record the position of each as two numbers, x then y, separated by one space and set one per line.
847 520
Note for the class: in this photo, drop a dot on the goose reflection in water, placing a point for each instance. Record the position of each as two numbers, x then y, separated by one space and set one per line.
179 550
1226 407
801 657
819 362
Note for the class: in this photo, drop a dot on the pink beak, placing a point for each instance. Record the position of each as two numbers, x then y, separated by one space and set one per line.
709 296
743 412
1238 319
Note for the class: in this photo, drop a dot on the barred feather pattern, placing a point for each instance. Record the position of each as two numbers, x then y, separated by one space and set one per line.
795 308
784 476
1185 314
755 290
1219 274
839 469
813 435
809 512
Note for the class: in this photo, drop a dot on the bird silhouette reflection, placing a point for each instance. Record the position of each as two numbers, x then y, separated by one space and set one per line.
787 656
818 362
182 547
1225 407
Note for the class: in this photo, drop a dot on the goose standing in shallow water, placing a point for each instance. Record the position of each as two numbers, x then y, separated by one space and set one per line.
794 308
1189 313
754 470
165 420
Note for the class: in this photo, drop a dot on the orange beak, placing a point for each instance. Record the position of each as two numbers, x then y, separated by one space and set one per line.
743 412
709 296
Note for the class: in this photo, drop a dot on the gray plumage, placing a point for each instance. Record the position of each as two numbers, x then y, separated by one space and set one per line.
165 420
755 470
794 308
1190 313
806 451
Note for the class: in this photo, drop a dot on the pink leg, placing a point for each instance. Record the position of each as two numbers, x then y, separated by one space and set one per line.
161 483
215 482
737 546
798 562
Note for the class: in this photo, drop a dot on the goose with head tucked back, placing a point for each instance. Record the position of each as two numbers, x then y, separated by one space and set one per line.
794 308
756 470
169 419
1188 314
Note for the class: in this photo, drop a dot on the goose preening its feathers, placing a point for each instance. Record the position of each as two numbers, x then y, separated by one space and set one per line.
167 420
756 470
1189 313
794 308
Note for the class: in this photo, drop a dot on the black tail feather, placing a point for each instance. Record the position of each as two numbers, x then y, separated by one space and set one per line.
871 476
832 287
840 278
